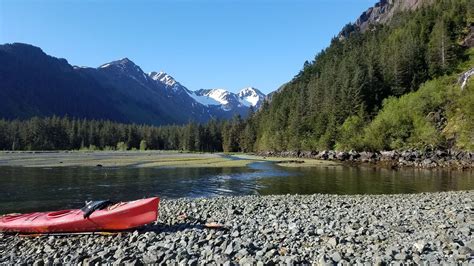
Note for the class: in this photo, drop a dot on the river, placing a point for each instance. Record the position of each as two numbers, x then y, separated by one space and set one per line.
39 189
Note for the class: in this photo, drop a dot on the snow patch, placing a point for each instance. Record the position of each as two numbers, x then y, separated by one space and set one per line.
163 78
250 96
203 99
219 95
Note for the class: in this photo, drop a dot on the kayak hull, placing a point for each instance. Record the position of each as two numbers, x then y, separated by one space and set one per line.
117 217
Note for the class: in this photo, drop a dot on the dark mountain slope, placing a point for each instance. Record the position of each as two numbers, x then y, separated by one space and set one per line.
136 94
33 83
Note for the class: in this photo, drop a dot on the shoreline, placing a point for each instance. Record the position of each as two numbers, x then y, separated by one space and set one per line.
319 228
436 159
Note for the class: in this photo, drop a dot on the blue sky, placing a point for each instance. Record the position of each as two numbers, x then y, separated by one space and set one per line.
207 44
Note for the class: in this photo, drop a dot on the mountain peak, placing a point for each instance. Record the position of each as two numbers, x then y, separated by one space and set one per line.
249 91
125 60
122 63
22 47
163 77
251 96
246 97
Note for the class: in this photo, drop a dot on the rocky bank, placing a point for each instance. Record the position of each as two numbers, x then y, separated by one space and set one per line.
411 158
287 229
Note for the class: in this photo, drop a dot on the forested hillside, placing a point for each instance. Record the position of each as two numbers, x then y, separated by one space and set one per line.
333 98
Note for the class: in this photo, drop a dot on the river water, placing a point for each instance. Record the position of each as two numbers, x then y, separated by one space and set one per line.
24 189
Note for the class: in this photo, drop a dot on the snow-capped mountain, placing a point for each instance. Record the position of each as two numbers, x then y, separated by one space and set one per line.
119 90
251 97
168 81
163 78
227 101
215 100
246 98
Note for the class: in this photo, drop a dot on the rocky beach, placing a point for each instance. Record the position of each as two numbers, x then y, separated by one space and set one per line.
288 229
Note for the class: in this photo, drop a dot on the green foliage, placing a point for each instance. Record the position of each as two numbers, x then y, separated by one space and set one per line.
368 71
92 148
247 138
53 133
143 145
405 122
231 132
460 127
439 114
122 146
440 49
460 111
351 134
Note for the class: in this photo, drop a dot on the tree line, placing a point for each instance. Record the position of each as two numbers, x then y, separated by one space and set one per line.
56 133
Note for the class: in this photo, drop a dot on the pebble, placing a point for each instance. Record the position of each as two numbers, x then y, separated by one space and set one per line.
399 229
336 257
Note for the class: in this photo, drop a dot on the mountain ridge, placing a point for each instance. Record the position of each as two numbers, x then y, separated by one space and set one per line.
120 87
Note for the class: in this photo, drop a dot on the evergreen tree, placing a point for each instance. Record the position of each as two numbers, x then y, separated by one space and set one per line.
440 49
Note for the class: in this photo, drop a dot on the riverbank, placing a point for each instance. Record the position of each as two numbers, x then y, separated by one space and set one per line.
431 227
394 159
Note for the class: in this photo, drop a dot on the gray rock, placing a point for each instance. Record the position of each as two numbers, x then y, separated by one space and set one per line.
336 256
466 251
48 249
150 257
401 256
292 226
229 249
332 242
193 262
38 262
119 253
271 253
243 252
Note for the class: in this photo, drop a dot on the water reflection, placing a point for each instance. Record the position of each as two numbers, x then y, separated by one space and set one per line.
28 189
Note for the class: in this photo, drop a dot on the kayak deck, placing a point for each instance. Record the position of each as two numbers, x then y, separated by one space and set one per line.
117 217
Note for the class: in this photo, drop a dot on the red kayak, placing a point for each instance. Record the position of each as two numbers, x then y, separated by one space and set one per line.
101 217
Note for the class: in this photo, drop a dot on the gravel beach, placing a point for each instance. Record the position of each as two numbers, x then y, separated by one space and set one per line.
286 229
